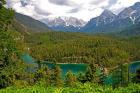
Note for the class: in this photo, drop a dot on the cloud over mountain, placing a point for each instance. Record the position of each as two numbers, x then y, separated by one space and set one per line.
83 9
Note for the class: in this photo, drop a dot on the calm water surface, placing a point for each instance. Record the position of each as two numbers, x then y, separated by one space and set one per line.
75 68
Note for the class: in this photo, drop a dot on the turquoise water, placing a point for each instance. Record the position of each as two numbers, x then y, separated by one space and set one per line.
28 59
134 66
132 69
75 68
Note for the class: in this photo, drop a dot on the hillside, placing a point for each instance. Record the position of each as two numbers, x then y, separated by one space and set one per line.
107 59
134 30
28 24
52 37
66 47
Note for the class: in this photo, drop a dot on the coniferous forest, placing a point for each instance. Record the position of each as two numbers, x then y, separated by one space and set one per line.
109 54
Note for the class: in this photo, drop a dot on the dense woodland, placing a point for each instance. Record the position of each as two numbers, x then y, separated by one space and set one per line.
104 51
65 47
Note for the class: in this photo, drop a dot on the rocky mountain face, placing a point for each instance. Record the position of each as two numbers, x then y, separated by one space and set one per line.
109 22
97 23
64 23
105 18
132 13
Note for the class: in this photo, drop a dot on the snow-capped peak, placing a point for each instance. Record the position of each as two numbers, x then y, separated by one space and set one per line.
64 21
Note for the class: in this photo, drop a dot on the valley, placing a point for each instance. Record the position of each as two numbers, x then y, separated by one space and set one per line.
99 57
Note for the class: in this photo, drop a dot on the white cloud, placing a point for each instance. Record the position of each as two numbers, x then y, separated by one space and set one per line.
82 9
17 5
121 4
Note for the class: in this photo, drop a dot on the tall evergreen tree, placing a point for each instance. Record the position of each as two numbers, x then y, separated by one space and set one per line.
70 79
136 78
91 73
118 77
43 75
57 76
81 77
48 76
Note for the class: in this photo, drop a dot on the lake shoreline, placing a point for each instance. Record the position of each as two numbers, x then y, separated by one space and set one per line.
65 63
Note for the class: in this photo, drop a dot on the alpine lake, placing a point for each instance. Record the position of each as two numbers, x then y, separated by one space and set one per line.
75 68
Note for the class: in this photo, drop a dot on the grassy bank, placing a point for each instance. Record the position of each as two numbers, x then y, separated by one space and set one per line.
79 88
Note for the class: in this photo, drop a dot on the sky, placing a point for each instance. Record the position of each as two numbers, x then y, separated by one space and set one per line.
81 9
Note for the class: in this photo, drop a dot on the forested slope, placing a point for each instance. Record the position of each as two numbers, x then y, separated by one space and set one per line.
11 48
67 47
26 23
98 51
132 31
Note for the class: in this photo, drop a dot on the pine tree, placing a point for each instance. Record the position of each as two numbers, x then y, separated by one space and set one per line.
70 79
48 76
81 78
43 74
90 74
136 79
118 77
39 75
39 63
57 80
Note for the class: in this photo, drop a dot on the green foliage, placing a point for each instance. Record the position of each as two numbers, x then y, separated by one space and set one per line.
6 80
131 31
43 74
26 24
90 75
20 83
81 77
62 47
11 47
6 17
10 64
3 1
57 77
79 88
70 79
120 76
136 78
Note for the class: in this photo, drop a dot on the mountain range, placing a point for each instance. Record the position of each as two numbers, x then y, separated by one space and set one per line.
105 23
64 23
109 22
